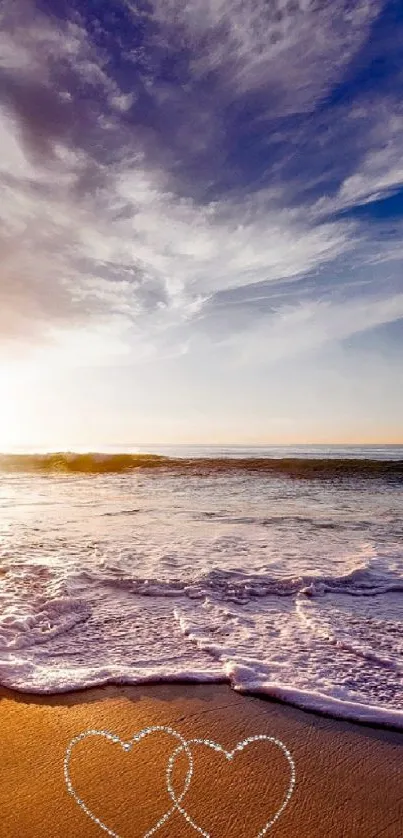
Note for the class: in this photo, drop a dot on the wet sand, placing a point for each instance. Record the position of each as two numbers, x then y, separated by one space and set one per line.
349 778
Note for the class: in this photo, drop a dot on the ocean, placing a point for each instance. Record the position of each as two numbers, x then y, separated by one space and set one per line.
277 569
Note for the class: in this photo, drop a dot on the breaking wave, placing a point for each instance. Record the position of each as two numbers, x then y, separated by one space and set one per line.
290 588
293 467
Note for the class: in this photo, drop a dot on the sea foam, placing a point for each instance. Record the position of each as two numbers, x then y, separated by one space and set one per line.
287 588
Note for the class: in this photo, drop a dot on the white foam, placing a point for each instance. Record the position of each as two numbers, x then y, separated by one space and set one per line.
318 702
266 595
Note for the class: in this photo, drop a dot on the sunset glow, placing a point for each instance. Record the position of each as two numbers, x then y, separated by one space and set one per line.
201 417
200 245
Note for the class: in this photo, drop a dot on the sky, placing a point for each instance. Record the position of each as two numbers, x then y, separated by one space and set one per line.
201 222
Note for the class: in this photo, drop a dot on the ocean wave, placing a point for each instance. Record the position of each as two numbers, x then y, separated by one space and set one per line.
99 463
329 644
52 618
240 587
317 702
153 579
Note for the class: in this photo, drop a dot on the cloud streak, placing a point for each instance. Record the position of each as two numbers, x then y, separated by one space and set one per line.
154 163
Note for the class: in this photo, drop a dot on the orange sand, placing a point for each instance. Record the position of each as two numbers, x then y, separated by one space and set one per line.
349 778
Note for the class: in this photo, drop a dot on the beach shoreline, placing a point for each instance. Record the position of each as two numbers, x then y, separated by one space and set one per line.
348 775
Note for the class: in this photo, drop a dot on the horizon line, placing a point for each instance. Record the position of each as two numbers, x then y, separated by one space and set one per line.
124 447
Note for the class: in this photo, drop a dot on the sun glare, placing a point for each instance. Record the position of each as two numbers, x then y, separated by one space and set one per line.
14 411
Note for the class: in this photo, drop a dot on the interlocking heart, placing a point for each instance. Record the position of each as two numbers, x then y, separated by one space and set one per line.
182 746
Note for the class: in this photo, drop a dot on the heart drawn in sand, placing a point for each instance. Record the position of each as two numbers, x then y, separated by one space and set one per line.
184 746
127 746
229 755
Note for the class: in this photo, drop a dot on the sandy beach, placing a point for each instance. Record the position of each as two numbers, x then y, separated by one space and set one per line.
348 777
201 435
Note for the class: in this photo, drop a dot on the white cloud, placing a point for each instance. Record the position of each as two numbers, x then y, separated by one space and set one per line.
380 171
295 329
132 248
298 47
193 251
33 47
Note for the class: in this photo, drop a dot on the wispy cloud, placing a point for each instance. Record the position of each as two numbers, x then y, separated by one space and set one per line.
292 329
296 49
137 188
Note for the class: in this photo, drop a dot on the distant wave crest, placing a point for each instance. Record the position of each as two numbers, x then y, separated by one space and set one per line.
309 468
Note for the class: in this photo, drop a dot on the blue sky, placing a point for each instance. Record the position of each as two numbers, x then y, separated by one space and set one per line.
201 221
